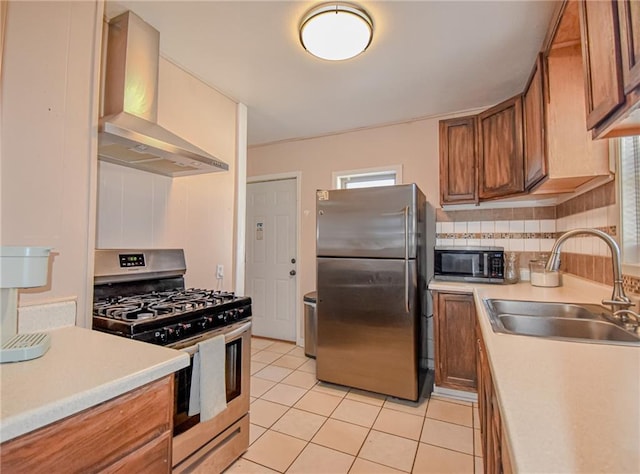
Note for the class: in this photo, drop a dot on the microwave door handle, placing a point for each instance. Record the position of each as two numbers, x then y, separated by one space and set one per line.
406 258
485 269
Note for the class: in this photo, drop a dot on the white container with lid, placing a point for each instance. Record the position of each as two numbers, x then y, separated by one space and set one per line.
539 275
23 267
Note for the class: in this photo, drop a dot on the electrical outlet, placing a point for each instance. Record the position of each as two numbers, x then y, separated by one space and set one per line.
219 272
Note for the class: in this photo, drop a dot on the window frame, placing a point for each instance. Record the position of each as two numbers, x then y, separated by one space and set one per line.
628 268
338 177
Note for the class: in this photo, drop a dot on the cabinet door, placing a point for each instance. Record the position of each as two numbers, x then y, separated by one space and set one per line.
455 344
629 21
133 430
535 157
501 150
458 161
601 59
489 411
482 383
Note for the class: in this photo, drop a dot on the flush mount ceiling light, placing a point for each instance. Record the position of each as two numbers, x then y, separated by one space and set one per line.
336 31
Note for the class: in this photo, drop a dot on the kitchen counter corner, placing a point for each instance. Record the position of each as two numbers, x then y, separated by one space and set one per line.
83 368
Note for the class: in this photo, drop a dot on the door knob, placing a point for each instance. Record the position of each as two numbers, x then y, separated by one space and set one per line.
292 272
293 260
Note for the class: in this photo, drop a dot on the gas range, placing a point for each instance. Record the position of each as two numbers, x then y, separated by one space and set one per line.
141 295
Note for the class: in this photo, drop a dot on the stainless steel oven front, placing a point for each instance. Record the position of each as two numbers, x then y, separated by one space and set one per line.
214 444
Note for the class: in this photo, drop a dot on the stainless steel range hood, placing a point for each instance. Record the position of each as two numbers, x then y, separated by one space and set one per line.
129 134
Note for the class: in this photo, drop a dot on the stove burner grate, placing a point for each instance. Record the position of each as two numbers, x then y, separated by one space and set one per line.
155 304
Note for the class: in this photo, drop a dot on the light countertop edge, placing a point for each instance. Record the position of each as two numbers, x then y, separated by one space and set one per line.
82 369
566 406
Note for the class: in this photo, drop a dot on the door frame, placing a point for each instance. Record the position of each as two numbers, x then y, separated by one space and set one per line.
297 175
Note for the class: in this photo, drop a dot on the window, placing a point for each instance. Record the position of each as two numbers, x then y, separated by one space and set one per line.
368 178
629 185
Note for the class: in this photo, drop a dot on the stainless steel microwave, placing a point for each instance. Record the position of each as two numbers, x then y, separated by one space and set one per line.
472 264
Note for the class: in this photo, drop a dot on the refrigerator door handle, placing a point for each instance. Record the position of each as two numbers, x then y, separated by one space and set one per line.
406 258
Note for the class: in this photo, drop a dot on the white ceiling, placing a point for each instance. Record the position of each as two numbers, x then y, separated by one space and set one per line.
426 58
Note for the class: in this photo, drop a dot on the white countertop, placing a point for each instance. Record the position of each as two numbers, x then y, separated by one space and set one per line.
81 369
566 406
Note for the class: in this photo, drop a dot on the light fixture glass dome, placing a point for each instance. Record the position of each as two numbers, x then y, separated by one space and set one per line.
336 31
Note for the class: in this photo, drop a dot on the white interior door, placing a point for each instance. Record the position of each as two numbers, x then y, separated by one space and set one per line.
271 256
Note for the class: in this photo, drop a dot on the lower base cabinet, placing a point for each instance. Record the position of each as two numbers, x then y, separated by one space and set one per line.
495 449
455 340
131 433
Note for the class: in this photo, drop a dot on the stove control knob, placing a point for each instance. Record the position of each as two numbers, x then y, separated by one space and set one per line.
177 331
234 314
161 336
185 328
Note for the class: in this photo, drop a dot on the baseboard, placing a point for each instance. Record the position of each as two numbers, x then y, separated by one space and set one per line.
455 394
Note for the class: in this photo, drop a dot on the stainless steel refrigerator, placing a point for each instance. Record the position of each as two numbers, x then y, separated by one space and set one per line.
372 249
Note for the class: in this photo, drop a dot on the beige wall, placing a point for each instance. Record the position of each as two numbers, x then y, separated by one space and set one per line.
197 213
49 124
413 145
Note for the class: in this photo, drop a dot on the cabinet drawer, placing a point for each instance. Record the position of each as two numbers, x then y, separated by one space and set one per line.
152 457
92 440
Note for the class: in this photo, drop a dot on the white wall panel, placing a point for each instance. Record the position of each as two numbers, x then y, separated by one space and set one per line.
196 213
49 122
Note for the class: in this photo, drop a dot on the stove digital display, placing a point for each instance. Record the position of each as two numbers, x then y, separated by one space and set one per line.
131 260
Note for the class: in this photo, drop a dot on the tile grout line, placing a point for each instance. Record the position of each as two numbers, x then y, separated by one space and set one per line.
370 429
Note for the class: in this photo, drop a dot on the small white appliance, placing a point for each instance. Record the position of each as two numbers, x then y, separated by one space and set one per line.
20 267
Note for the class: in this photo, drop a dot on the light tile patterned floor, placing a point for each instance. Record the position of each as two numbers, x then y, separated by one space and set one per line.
299 425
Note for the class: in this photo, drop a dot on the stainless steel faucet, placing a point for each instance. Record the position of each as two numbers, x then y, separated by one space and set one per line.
618 298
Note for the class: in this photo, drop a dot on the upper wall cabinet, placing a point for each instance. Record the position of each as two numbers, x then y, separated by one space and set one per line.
611 57
537 142
601 59
573 157
500 157
629 21
533 104
458 161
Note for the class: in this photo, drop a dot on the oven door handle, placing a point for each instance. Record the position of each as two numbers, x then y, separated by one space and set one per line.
228 337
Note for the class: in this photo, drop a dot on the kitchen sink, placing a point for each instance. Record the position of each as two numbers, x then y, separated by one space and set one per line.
565 321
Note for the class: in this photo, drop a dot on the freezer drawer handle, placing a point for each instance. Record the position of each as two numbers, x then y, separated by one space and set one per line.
406 258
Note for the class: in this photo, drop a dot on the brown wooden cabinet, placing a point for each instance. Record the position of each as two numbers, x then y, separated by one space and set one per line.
131 433
455 340
481 156
629 21
533 105
537 142
495 448
601 58
458 160
573 157
610 33
500 157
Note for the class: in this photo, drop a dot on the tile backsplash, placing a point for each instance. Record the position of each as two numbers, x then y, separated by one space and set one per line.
531 232
524 229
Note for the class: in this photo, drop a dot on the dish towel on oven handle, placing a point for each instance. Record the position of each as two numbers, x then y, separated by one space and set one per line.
208 395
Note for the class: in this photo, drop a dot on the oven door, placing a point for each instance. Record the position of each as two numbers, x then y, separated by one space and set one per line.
190 434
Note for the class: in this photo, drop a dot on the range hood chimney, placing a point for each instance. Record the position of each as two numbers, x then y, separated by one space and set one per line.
129 134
